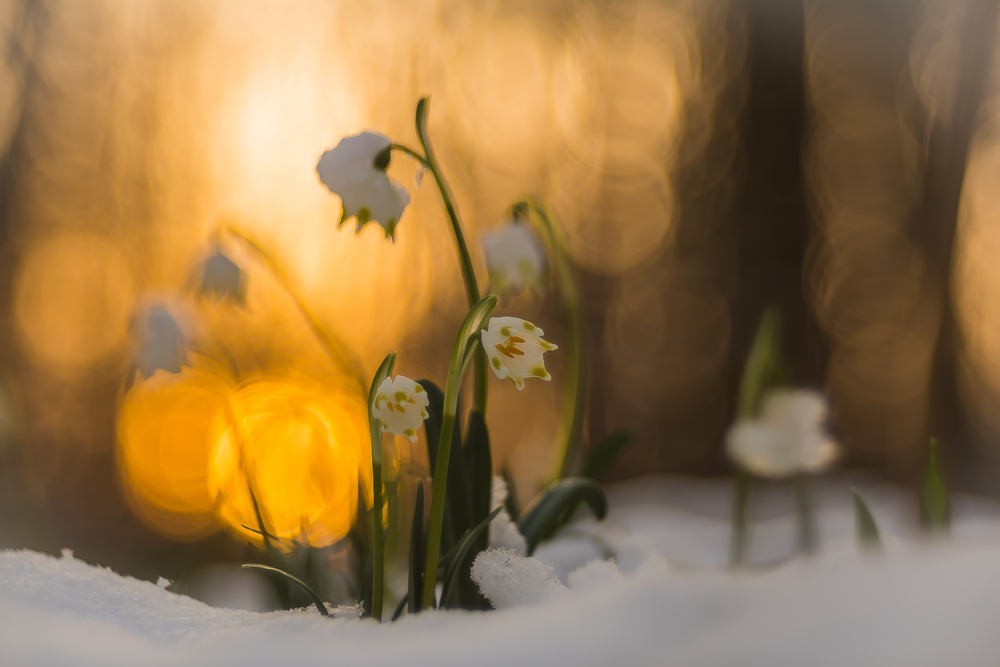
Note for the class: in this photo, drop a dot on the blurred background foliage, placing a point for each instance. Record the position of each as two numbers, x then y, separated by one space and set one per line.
706 159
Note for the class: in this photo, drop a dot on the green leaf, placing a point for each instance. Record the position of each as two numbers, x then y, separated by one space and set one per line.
367 579
457 515
416 574
400 607
764 368
384 371
478 465
513 508
421 117
305 587
455 567
465 345
935 508
552 510
864 523
606 453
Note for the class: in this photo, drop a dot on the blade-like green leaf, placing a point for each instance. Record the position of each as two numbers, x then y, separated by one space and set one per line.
305 587
513 508
400 607
451 573
457 511
550 512
478 465
416 574
384 370
764 368
367 577
603 456
864 524
465 342
935 508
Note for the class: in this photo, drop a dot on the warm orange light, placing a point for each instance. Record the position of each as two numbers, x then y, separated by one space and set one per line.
73 298
192 445
168 426
303 450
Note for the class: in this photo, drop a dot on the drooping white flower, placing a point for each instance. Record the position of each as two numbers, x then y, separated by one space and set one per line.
514 259
788 438
400 406
161 342
355 171
221 277
515 348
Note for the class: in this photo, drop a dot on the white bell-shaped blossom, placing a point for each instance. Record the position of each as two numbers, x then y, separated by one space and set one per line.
514 259
221 277
787 438
515 348
400 406
355 171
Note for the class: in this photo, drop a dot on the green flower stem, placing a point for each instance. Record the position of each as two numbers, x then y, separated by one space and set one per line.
572 301
466 345
375 435
429 160
378 555
437 511
806 519
763 370
741 507
330 344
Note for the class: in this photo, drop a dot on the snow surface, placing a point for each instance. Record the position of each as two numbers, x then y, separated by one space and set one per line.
668 601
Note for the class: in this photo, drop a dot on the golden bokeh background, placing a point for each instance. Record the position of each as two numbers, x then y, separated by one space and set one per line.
132 131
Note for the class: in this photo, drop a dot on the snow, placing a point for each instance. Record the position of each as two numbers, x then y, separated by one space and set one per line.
665 600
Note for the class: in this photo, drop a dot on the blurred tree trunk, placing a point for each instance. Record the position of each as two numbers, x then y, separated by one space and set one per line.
947 150
772 217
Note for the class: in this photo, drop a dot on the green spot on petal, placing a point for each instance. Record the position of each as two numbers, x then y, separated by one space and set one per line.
400 396
364 215
417 389
528 326
505 331
496 362
409 432
539 372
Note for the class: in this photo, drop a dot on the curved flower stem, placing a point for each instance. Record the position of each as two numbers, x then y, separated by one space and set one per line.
429 161
337 352
806 520
741 507
572 300
378 557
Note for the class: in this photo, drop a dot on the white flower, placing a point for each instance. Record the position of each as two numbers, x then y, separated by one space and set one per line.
162 343
221 277
788 437
514 259
355 171
515 348
400 406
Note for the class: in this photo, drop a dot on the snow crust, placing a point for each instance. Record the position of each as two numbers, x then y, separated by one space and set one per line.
665 600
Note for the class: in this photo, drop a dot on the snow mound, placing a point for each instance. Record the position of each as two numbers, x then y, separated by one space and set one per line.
507 579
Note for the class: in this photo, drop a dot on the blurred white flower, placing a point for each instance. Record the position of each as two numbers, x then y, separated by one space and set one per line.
788 438
400 406
161 342
514 259
221 277
355 171
515 348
